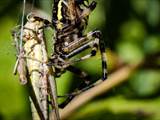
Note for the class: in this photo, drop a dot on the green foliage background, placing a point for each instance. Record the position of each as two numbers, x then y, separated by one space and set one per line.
131 30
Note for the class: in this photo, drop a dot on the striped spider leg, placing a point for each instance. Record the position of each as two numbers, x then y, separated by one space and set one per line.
93 42
70 18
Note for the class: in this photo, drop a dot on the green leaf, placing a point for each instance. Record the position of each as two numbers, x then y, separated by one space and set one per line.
146 82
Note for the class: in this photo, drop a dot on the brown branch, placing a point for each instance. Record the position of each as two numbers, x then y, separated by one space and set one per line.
114 79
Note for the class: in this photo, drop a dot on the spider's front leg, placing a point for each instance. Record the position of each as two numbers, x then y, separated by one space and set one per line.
93 42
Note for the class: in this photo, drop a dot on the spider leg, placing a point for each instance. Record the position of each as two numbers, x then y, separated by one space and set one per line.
104 60
91 40
70 96
94 44
83 75
73 94
86 82
89 8
91 54
74 48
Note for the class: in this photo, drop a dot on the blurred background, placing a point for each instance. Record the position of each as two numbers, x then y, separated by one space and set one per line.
131 31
